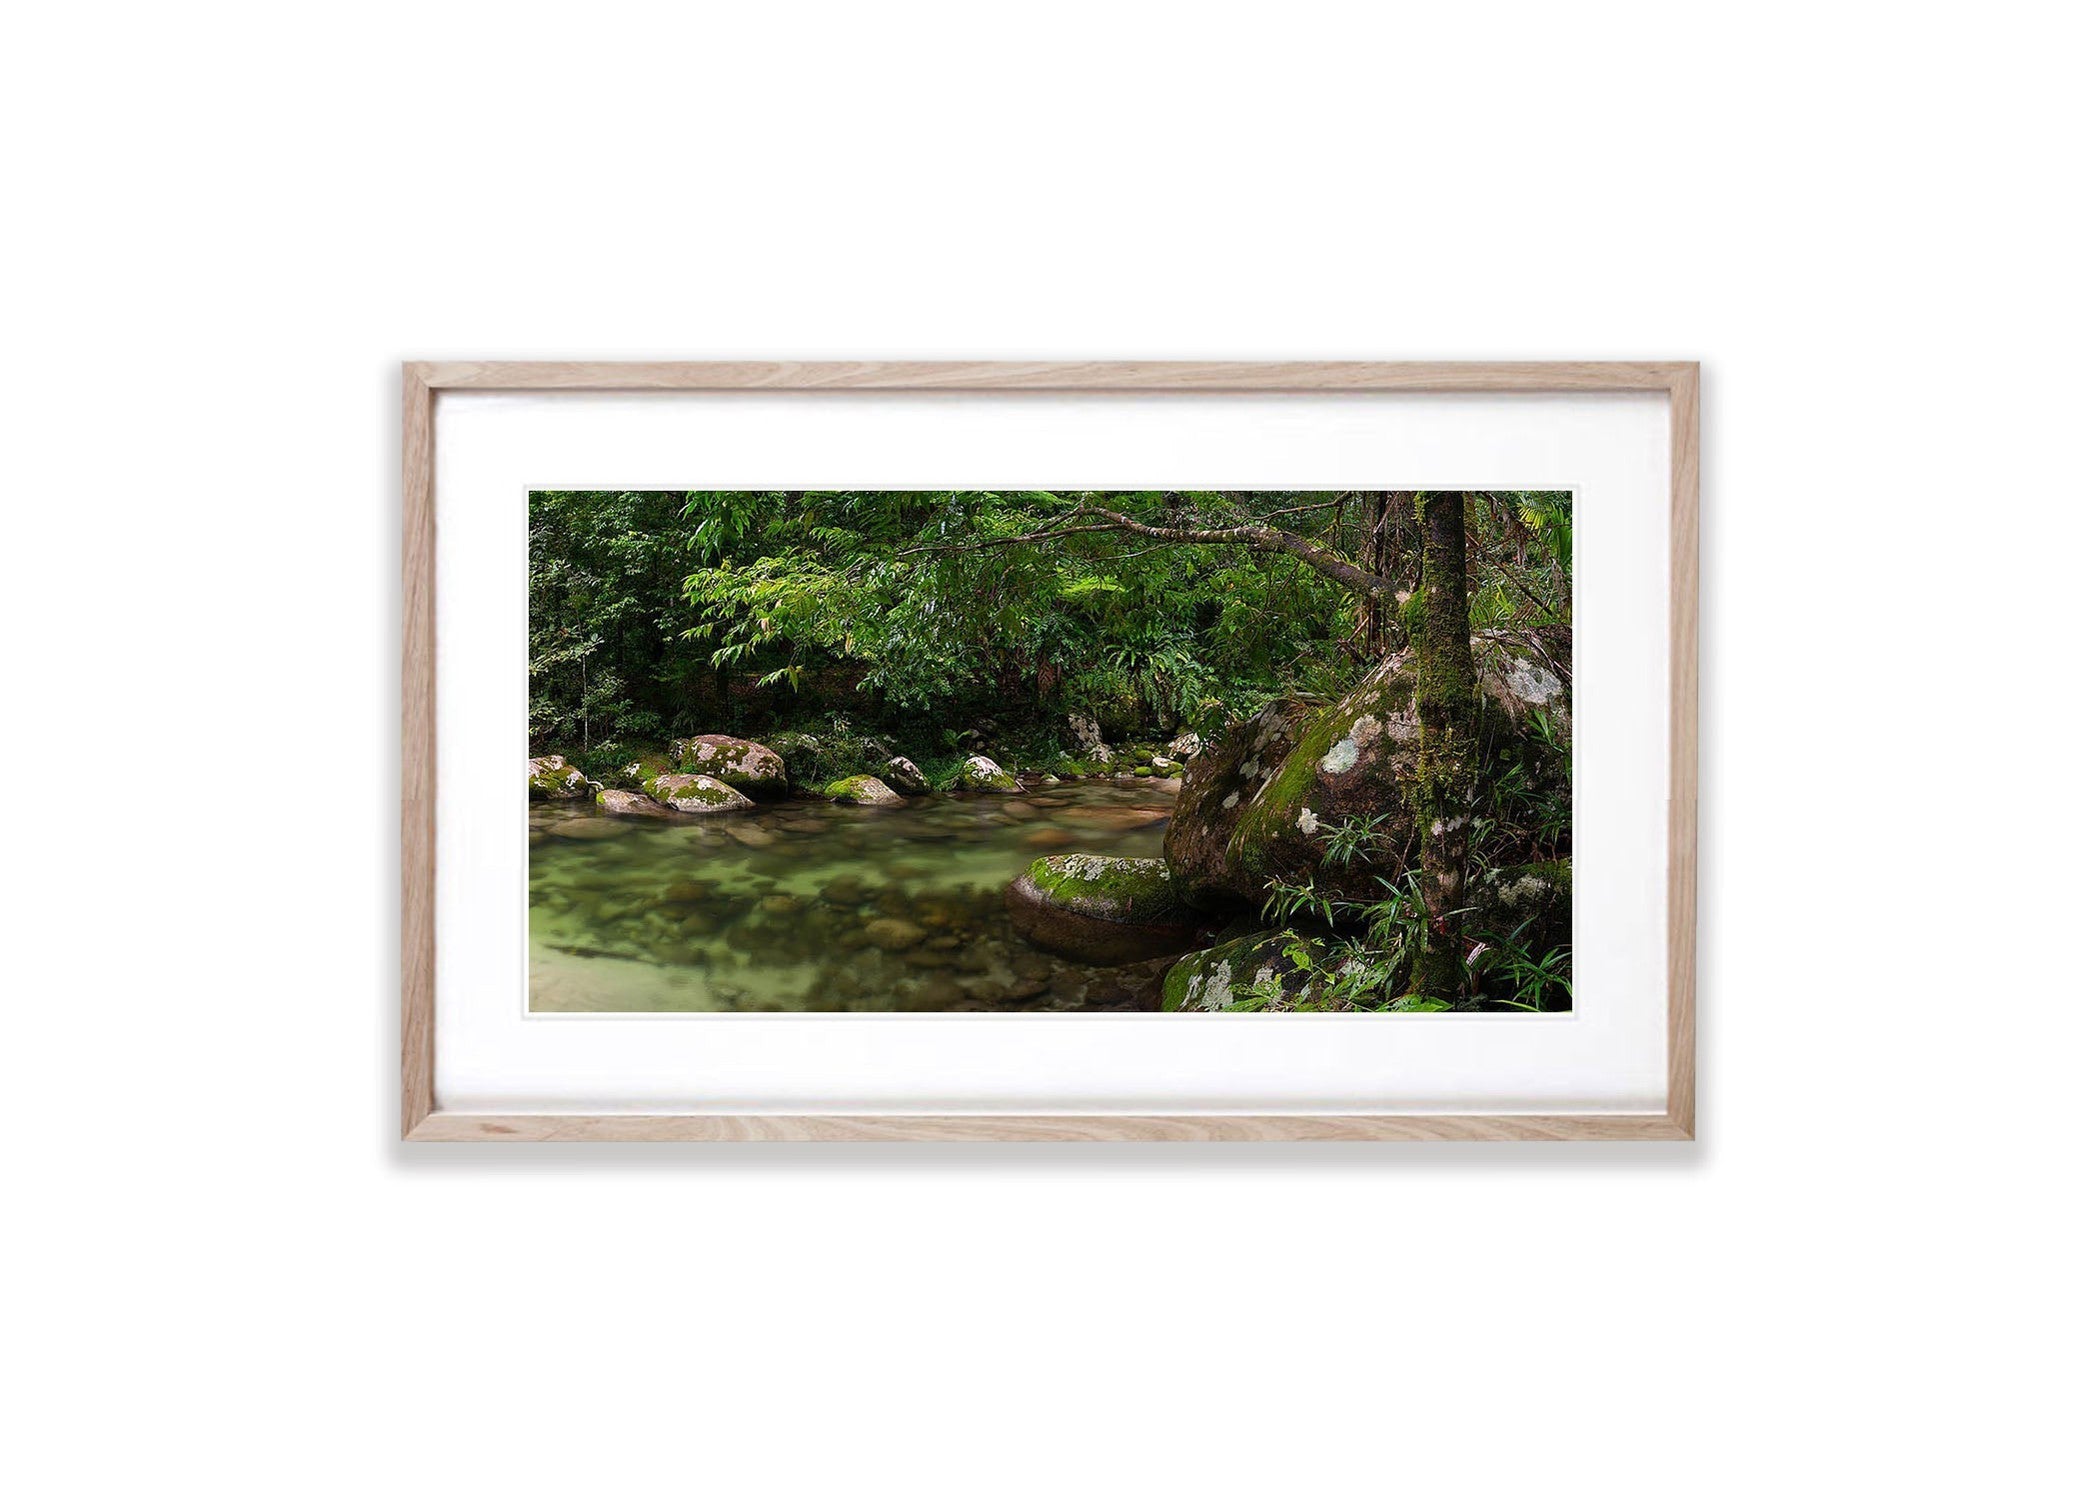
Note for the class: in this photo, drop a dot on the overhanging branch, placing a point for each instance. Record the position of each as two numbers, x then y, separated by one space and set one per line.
1254 535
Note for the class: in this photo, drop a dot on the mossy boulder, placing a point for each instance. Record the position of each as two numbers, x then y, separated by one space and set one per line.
865 791
901 775
1085 733
744 764
703 796
1101 911
982 773
1262 802
1259 968
630 804
1517 684
1215 791
635 772
551 778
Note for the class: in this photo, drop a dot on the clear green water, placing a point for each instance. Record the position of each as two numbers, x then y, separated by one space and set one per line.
809 906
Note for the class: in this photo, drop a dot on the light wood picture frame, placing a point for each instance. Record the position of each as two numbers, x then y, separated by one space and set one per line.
422 382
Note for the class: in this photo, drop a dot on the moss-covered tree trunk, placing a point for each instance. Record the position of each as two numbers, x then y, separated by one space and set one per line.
1449 766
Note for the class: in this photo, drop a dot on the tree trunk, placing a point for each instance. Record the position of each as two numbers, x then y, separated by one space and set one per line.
1391 549
1449 767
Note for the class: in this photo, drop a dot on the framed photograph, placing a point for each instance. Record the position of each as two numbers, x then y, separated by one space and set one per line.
1049 751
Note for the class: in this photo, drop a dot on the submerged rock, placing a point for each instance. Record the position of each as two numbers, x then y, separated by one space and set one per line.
844 890
700 795
747 766
587 828
1256 970
1100 910
551 778
866 791
1121 819
901 775
982 773
630 804
893 934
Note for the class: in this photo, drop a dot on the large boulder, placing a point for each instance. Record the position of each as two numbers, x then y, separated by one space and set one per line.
551 778
1261 803
635 772
1514 680
982 773
1087 735
1260 971
748 766
1101 911
902 775
866 791
1216 788
630 804
702 796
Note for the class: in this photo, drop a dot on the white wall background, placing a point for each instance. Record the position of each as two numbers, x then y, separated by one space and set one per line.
227 225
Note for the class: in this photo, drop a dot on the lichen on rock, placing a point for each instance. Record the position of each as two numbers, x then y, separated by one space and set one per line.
1101 910
552 778
635 772
982 773
901 775
865 791
629 804
1261 801
697 794
1257 971
744 764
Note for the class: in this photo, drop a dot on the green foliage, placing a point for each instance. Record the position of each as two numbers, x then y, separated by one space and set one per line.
1366 961
1535 980
606 613
847 626
658 613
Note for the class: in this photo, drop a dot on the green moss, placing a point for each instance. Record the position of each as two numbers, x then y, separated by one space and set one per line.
1447 762
1272 814
1173 992
1125 889
866 791
978 778
557 779
1259 967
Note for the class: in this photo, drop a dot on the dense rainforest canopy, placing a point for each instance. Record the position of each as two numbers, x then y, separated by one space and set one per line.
656 613
938 623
